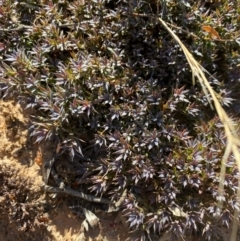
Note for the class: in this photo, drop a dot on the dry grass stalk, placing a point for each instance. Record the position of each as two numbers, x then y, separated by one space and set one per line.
228 124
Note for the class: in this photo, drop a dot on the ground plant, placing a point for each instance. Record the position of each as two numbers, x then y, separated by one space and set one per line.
114 90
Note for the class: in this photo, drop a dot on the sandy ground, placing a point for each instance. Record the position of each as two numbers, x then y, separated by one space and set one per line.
27 213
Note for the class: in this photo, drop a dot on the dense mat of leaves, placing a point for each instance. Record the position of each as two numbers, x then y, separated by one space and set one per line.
115 91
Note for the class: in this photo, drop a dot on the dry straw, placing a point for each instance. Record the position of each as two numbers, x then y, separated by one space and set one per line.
228 124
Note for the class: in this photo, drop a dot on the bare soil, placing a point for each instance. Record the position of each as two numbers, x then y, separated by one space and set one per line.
27 213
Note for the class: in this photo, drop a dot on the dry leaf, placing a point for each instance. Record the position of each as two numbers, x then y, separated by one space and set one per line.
38 159
85 224
211 31
92 219
176 211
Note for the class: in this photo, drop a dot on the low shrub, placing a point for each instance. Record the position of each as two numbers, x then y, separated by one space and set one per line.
115 91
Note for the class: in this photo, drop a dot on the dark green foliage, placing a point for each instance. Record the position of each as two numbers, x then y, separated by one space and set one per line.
115 90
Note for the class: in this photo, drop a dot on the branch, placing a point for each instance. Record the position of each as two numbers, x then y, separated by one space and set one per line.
74 193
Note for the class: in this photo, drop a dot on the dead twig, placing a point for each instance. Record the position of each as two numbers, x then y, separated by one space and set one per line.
74 193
